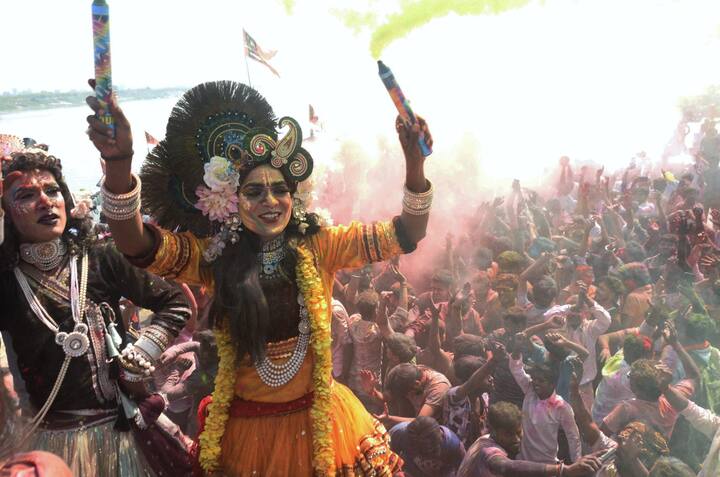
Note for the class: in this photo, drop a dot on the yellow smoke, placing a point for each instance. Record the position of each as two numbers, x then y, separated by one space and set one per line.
288 5
355 20
417 13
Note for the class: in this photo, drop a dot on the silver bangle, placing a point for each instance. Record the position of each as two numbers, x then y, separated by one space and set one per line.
418 203
159 335
148 347
130 376
121 207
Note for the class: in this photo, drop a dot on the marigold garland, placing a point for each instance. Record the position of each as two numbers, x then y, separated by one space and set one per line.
219 408
310 285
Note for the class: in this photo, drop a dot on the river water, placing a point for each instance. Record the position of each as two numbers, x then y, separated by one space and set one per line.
63 129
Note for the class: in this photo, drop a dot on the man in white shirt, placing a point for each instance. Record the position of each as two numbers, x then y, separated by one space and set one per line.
585 332
544 412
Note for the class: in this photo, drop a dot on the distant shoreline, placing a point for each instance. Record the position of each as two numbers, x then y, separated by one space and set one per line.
20 102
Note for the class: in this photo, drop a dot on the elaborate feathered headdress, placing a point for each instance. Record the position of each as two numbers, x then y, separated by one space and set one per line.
216 131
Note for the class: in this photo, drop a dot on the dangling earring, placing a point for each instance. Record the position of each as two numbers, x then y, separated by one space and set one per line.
299 215
234 224
230 232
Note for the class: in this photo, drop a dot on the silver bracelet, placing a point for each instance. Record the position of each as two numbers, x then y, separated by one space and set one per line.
418 203
159 335
130 376
149 348
121 207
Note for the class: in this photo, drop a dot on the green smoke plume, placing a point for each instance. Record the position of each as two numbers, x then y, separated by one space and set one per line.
416 13
289 5
355 20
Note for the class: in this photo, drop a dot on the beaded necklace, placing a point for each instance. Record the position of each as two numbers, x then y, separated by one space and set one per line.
271 256
273 374
74 344
46 255
276 375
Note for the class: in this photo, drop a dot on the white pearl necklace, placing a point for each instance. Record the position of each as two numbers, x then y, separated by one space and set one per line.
75 343
276 375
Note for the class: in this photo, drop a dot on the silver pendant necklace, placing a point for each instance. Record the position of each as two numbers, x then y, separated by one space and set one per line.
75 343
46 255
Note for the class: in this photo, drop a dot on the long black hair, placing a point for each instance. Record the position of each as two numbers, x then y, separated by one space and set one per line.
78 233
239 297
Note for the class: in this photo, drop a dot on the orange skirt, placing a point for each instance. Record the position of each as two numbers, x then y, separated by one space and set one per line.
281 445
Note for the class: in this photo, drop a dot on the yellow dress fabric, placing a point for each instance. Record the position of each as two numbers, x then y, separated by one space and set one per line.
281 445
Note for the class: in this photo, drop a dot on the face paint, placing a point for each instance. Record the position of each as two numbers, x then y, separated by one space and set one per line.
36 206
265 202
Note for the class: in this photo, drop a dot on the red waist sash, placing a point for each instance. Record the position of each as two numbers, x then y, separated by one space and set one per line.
243 408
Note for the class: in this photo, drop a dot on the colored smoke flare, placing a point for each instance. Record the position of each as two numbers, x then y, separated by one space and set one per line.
103 70
401 103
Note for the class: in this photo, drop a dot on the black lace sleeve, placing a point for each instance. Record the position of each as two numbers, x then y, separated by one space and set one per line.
144 289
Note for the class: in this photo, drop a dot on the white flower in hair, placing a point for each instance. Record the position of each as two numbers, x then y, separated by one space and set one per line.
220 174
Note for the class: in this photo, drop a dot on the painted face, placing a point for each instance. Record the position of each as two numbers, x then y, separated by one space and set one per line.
36 207
629 439
265 202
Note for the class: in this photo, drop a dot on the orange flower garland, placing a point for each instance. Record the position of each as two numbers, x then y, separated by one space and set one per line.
311 287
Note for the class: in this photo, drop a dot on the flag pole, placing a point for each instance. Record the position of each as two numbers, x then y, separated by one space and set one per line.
247 70
245 49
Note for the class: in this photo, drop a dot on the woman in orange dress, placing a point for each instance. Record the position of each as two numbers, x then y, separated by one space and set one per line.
235 189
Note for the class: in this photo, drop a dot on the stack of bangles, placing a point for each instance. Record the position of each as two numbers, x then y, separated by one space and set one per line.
140 357
417 203
121 206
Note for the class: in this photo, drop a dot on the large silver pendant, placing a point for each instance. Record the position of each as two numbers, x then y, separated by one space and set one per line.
75 343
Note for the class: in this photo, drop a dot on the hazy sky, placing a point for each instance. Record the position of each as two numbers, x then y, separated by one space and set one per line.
595 79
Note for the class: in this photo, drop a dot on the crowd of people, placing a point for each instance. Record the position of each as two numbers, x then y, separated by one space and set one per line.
571 330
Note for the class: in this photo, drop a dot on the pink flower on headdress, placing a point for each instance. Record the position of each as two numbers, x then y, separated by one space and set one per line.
218 203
